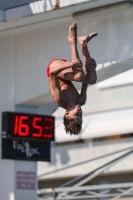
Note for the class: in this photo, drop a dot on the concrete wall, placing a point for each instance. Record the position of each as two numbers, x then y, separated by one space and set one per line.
108 99
67 155
7 99
9 168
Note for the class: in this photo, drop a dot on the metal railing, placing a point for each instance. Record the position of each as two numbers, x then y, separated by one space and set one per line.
83 162
73 190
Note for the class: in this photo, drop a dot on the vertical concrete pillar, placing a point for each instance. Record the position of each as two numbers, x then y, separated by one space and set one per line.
11 171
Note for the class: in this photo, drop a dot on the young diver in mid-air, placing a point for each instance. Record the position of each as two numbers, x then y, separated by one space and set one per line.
61 72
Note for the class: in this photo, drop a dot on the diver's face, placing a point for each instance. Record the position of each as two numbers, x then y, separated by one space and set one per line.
75 114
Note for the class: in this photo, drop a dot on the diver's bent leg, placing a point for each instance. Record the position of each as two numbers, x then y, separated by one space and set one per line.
72 74
89 63
72 39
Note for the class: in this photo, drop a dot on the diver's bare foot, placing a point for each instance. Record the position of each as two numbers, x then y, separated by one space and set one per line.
72 37
83 40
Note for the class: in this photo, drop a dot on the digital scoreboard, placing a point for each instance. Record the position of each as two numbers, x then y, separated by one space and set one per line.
27 126
25 150
27 136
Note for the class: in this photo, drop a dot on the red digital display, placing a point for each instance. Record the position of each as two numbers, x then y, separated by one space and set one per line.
29 126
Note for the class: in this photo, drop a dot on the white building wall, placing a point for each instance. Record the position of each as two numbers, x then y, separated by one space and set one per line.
7 99
35 49
9 168
68 155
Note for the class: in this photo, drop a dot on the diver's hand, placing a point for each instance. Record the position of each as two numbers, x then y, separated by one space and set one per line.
77 64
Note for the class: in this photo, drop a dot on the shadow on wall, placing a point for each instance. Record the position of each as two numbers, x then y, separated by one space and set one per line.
27 7
6 4
60 155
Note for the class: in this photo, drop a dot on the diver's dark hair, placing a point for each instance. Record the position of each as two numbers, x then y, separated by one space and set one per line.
71 127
